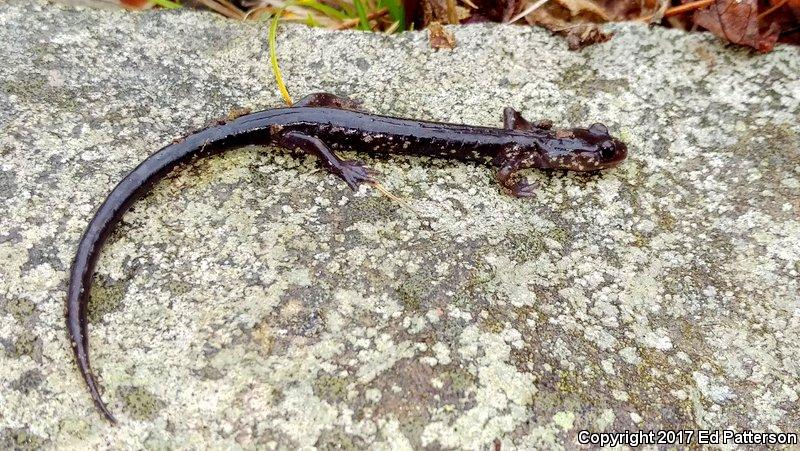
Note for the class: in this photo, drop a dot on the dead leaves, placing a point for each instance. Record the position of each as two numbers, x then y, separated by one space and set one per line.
738 22
586 34
439 37
755 23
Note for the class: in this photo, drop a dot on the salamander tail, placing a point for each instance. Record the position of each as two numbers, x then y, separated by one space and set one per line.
78 337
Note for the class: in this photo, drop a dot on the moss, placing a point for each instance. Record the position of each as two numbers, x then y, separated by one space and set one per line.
560 235
27 344
568 382
331 388
523 247
178 287
20 439
460 380
74 428
493 325
584 79
140 403
338 439
106 298
413 291
210 373
370 209
156 442
21 309
28 381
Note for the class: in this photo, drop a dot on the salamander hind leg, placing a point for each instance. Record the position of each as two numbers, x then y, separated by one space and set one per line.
328 100
507 177
353 173
513 120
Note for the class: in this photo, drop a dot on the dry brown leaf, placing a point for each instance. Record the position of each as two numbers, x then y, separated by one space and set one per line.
439 37
577 7
737 22
434 11
544 18
511 8
794 5
136 4
586 34
658 14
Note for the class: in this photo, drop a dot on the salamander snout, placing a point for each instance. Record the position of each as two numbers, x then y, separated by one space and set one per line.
612 152
584 149
595 148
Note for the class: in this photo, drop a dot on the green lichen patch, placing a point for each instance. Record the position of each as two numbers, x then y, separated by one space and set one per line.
178 287
549 402
20 440
479 278
157 442
23 310
331 388
27 344
75 428
339 439
140 403
495 322
210 373
584 79
29 380
523 247
414 291
458 380
370 209
106 297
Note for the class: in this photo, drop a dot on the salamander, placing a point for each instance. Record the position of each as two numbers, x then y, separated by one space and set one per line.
321 124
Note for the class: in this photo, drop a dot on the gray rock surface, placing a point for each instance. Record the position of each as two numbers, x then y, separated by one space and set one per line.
252 302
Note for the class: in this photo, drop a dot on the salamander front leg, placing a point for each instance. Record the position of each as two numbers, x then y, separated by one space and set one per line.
513 120
328 100
353 173
506 177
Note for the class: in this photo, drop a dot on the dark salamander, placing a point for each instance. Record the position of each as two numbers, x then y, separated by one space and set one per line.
318 125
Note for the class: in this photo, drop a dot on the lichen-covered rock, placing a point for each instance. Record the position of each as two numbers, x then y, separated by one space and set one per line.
252 302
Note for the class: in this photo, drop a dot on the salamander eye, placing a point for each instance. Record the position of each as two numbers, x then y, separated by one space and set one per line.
598 129
607 150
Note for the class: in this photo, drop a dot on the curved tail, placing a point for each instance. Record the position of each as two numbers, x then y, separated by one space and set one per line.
78 300
248 129
107 216
133 186
79 347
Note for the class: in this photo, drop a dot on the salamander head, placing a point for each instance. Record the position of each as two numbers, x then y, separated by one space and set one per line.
584 149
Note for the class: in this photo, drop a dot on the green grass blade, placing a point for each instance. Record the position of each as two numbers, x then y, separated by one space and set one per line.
310 21
324 9
167 4
396 11
273 57
363 22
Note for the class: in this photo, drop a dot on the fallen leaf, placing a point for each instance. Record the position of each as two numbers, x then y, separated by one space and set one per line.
795 7
510 8
586 34
737 21
577 7
658 14
439 37
544 18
